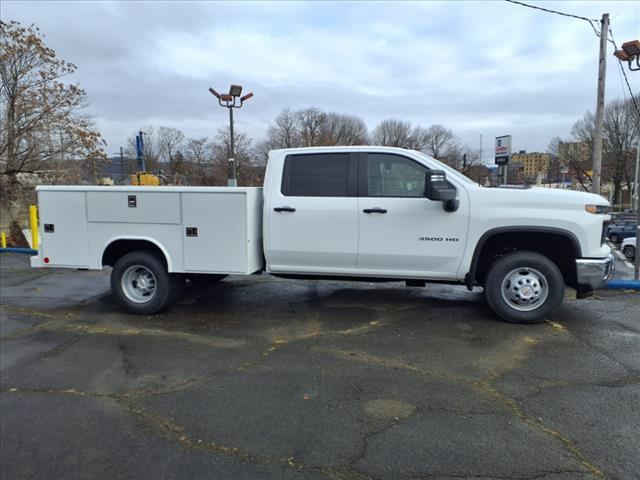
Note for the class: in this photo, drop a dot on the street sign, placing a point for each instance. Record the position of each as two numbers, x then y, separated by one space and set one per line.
503 149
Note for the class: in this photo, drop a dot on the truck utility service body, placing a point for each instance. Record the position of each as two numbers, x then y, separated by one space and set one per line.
337 212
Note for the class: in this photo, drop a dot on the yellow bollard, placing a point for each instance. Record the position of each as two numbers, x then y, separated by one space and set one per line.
3 240
33 220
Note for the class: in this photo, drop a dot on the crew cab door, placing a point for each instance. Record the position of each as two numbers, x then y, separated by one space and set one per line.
313 216
400 231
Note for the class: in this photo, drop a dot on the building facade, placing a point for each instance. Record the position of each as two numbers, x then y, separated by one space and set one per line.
534 164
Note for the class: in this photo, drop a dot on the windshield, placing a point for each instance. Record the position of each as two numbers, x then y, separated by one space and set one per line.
450 171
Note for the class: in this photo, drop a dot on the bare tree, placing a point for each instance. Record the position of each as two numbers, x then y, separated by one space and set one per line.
169 144
284 131
42 119
310 121
396 133
197 150
621 129
339 129
440 142
221 151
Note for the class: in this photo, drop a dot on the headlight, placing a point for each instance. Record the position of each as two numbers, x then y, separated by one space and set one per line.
597 209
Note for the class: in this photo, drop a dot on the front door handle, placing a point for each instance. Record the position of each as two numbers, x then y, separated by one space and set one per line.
284 209
375 210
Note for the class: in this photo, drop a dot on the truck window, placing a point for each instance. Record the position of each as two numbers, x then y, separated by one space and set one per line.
316 175
394 176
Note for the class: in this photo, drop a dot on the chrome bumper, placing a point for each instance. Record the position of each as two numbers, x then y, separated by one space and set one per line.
592 273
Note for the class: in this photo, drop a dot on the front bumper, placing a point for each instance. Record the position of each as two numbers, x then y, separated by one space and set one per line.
592 273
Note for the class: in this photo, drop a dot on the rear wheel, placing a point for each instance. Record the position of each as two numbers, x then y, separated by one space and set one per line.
141 283
614 238
629 251
524 287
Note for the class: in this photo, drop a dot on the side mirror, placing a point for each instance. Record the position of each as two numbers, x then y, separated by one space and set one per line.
437 188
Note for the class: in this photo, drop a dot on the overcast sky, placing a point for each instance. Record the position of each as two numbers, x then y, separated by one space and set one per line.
476 67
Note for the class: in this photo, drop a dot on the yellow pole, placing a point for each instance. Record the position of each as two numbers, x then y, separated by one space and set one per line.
33 219
3 240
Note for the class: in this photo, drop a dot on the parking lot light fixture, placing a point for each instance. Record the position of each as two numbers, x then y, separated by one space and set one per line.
622 55
235 90
631 48
231 100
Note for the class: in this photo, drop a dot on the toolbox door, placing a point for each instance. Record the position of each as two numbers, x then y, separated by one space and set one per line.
214 232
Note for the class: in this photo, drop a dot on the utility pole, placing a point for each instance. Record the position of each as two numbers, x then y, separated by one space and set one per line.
597 137
122 162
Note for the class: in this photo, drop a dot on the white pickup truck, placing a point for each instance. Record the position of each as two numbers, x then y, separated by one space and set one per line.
348 213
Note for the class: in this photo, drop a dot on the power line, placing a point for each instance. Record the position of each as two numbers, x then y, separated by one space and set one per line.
535 7
624 73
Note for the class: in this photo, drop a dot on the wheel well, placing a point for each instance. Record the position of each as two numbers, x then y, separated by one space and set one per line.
120 248
561 249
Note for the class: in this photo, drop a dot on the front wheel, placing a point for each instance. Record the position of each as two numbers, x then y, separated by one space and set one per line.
629 251
141 283
614 238
524 287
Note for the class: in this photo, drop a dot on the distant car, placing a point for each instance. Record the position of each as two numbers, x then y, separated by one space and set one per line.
623 217
628 247
618 233
619 224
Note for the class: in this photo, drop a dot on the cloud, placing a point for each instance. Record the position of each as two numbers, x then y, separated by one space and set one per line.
476 67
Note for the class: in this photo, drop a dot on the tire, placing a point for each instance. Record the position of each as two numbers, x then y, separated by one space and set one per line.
614 238
524 287
629 251
141 284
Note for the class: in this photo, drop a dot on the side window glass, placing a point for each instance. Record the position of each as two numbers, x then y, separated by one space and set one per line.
316 175
394 176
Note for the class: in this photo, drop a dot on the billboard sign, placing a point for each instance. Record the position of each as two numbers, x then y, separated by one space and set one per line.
503 149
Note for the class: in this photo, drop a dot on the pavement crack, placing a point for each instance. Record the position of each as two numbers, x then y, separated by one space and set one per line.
484 386
179 434
62 347
471 476
281 341
168 389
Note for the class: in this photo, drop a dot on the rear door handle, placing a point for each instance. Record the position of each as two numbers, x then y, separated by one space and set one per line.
284 209
375 210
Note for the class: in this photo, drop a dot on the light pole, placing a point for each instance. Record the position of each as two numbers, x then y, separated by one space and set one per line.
631 51
231 100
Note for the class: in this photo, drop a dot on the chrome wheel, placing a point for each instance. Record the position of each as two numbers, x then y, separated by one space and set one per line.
525 289
139 284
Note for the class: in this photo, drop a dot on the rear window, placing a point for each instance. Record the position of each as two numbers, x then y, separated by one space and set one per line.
316 175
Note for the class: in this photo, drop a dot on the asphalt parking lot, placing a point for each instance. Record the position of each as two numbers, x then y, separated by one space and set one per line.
261 378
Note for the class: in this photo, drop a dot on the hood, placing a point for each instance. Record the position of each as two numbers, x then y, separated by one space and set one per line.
544 195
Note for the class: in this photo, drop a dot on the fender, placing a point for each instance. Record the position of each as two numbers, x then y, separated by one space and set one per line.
470 277
129 237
